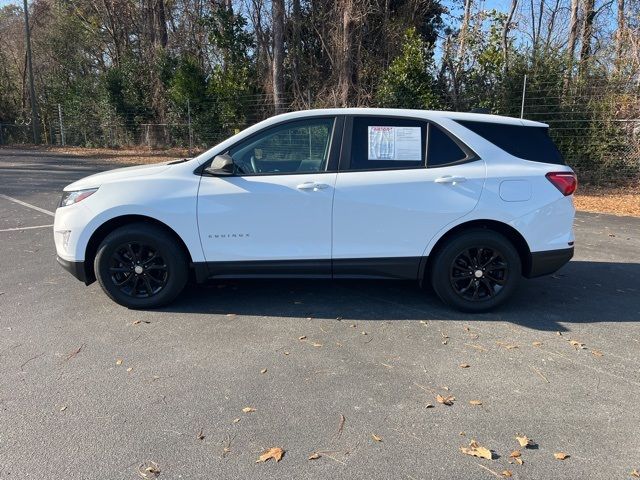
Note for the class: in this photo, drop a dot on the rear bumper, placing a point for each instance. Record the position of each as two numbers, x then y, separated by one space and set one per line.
547 262
74 268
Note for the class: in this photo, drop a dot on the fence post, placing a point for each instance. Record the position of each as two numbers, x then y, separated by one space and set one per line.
190 130
524 92
62 140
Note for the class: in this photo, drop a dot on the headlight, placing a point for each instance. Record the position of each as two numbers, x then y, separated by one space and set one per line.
69 198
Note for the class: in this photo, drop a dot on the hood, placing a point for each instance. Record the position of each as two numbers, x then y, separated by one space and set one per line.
116 175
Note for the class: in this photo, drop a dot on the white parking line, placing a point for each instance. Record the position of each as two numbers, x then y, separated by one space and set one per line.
25 228
20 202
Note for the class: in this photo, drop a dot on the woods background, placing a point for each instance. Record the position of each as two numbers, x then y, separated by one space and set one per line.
161 73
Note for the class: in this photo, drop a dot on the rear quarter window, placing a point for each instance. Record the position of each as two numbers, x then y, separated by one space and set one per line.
528 143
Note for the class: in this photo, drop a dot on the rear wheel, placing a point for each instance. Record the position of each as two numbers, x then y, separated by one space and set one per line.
141 266
476 271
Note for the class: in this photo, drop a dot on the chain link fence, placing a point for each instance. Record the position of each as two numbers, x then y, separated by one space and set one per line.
596 126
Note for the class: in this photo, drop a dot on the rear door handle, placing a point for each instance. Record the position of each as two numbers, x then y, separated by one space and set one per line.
453 179
312 186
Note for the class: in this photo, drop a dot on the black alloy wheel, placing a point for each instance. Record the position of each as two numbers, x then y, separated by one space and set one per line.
479 273
141 266
475 271
138 270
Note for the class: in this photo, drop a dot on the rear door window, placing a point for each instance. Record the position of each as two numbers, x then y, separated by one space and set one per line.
388 143
528 143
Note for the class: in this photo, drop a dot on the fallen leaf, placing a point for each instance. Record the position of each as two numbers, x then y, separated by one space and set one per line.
363 333
235 420
200 435
597 353
138 322
462 434
428 405
635 473
276 453
377 438
286 353
560 456
525 441
475 402
317 345
149 470
577 345
559 334
464 365
475 450
515 454
129 369
119 361
448 400
62 409
537 344
519 461
314 456
506 473
264 370
302 337
248 409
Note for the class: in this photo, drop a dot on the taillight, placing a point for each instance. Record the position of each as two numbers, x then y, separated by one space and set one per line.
566 182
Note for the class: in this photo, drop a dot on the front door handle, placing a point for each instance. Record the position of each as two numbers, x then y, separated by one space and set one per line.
312 186
453 179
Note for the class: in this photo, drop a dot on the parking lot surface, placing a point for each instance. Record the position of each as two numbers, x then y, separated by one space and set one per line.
348 370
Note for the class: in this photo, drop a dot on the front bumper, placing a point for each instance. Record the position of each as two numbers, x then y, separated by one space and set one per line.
547 262
74 268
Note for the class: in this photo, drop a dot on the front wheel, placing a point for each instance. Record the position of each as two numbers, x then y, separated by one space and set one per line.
476 271
141 266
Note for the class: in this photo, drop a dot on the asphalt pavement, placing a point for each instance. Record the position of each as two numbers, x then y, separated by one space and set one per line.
349 371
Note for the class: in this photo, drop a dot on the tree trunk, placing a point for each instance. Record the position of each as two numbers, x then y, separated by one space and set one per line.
462 37
571 42
620 34
277 68
345 59
505 36
587 34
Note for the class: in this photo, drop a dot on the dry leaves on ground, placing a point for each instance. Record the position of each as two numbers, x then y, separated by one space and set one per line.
248 410
474 449
525 441
464 365
577 345
119 361
264 370
635 473
516 456
507 473
448 400
597 353
560 456
149 470
275 452
475 402
537 344
377 438
314 456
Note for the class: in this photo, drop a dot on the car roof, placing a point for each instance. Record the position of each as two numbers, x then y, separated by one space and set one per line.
403 112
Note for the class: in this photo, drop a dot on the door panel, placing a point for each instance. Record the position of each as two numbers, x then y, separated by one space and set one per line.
266 217
391 209
396 213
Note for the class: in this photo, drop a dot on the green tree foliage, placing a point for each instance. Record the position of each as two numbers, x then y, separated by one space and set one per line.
408 82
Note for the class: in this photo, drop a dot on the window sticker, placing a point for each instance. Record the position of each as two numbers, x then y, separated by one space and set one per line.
395 143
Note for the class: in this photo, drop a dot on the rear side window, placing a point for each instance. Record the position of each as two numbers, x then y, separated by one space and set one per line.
528 143
442 149
383 143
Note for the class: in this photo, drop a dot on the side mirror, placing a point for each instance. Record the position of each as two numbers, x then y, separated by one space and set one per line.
221 166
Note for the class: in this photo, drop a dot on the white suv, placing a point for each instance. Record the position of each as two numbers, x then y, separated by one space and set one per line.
466 202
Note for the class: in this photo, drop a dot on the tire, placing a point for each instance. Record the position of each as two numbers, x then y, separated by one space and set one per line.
141 266
464 276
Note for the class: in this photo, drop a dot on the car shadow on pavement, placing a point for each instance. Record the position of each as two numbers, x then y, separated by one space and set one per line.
581 292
